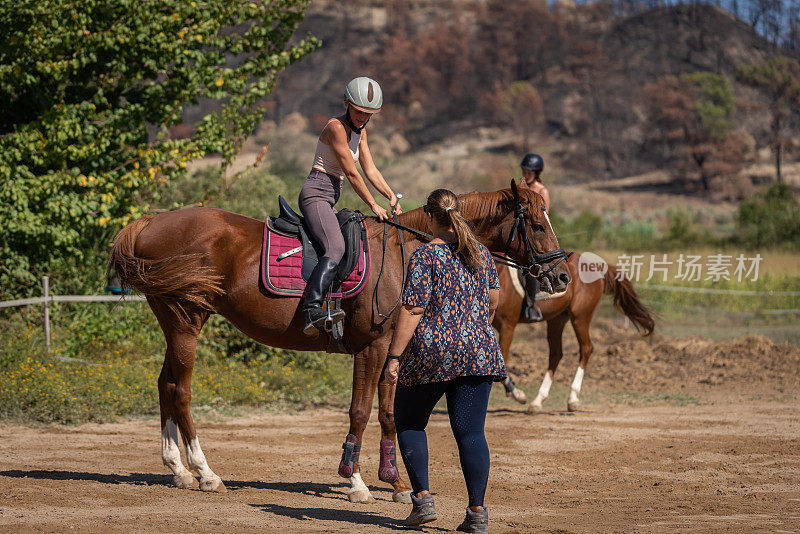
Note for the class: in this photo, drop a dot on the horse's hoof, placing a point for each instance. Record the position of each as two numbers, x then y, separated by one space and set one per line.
573 406
402 497
518 395
535 408
213 484
184 481
360 496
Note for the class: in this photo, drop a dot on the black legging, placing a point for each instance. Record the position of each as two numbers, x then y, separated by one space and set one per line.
467 399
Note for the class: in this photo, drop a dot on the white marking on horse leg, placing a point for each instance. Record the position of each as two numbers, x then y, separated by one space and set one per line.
573 403
544 391
358 491
209 481
171 456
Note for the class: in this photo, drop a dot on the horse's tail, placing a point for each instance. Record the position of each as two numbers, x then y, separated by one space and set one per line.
175 280
627 301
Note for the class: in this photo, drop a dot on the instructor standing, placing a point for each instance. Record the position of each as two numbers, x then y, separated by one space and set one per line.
450 295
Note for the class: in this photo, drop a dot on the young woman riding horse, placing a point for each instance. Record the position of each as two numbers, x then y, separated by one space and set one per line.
577 306
342 142
532 166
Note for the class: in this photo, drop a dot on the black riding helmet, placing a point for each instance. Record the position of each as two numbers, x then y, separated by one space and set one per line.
532 162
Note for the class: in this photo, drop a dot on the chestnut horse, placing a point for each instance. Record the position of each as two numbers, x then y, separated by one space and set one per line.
577 305
193 262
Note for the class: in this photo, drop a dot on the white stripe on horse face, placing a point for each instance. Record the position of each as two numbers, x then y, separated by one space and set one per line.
551 228
170 451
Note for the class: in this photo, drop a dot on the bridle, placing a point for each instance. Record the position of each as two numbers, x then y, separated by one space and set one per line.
535 258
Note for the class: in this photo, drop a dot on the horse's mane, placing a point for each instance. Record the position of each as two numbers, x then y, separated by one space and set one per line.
482 209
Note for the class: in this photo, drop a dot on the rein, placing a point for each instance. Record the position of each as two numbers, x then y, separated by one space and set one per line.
400 227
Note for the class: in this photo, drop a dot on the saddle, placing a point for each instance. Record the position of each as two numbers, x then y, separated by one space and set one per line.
290 254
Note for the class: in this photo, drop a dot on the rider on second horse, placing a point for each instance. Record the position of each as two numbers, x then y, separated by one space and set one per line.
342 142
532 166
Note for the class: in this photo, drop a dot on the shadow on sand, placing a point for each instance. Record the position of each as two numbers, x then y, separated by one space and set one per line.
353 517
147 479
336 491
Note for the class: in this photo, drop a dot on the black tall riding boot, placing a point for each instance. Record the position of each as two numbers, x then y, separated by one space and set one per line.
319 283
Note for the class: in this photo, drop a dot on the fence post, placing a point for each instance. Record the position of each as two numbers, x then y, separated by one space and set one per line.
46 295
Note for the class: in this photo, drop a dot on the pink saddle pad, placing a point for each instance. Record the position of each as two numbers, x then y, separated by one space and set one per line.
282 257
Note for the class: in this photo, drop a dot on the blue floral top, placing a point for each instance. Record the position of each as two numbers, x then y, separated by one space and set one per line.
454 337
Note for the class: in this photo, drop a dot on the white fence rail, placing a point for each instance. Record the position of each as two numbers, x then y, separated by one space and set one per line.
712 291
47 298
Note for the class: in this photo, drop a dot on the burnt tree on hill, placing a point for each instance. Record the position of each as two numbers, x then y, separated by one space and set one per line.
689 124
779 79
520 107
429 74
588 64
518 40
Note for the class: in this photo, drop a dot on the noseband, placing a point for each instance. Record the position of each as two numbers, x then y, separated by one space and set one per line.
535 258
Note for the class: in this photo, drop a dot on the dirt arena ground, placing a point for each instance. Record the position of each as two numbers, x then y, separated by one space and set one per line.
674 435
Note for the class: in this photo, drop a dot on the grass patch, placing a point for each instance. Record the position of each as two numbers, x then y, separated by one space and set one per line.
105 362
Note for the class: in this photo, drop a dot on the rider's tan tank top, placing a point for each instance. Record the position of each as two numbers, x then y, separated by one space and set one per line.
325 158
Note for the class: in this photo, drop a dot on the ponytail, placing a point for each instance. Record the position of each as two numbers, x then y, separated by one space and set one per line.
467 242
443 206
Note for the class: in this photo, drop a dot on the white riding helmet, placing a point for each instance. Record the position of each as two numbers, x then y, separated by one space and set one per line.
364 94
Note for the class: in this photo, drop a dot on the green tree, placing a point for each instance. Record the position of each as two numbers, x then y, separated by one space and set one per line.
779 79
88 93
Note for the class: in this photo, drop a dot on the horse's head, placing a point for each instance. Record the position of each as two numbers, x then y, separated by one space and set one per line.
524 234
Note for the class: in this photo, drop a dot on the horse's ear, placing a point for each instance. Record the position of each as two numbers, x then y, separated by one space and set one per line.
514 190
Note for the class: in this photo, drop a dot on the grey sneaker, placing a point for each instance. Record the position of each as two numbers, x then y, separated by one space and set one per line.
475 521
422 512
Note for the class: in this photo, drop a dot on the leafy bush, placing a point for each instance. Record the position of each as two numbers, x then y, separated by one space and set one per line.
636 235
579 232
680 231
769 219
253 194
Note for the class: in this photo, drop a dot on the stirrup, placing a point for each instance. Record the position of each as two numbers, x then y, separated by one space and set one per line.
323 323
332 320
533 313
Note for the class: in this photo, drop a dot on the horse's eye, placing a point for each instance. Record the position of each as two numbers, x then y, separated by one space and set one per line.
537 227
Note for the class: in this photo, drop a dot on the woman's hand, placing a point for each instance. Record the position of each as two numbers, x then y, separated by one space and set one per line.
392 368
379 212
396 209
